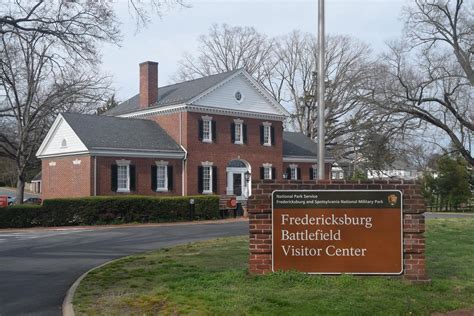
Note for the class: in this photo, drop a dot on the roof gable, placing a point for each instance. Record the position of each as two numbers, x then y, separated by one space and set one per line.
61 139
254 98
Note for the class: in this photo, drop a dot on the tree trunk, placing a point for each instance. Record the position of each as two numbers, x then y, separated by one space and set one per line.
20 189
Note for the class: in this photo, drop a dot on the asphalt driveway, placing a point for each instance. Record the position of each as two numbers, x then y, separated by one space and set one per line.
38 267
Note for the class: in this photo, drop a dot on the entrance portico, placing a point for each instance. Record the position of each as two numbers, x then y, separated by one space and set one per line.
239 179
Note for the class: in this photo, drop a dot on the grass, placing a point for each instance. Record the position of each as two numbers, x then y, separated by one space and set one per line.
210 278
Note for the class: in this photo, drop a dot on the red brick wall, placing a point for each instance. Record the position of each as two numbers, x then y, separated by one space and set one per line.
66 179
171 124
143 176
305 166
260 220
223 150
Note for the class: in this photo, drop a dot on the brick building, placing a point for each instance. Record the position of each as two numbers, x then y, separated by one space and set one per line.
209 135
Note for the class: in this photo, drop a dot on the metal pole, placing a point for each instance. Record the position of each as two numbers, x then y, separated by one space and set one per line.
321 51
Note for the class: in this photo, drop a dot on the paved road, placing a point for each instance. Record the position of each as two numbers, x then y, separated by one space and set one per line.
38 267
430 215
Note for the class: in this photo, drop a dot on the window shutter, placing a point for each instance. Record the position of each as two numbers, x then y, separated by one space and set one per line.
133 178
298 173
214 179
311 177
214 136
261 134
288 173
200 184
273 173
232 133
272 131
170 178
262 173
153 174
113 180
201 129
244 132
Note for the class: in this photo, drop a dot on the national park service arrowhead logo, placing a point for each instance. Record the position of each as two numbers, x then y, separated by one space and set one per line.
392 199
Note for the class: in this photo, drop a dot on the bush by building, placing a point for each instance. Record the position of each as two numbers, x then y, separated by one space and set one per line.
110 210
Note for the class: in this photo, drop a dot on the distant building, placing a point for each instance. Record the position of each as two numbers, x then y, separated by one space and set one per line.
337 173
397 170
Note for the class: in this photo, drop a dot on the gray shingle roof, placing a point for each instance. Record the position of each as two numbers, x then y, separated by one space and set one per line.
173 94
105 132
298 144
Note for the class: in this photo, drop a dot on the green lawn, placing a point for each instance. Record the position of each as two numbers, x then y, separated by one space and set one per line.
211 278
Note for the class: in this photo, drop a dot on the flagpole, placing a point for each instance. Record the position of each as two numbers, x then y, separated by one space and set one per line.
321 52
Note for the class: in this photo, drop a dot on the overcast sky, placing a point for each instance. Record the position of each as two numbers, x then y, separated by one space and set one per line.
167 38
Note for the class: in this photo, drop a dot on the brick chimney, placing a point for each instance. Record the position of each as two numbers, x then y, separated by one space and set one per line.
148 83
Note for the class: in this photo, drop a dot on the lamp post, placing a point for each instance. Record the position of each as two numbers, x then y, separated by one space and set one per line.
321 52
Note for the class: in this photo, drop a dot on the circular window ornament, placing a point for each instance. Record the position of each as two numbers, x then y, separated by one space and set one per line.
238 96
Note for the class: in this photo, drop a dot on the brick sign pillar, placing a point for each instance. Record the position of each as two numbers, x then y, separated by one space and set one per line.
260 220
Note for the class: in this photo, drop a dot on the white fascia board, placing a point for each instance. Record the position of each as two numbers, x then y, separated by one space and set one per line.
49 136
266 94
305 159
155 110
72 153
138 154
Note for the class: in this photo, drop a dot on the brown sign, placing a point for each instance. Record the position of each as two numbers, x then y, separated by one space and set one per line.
331 232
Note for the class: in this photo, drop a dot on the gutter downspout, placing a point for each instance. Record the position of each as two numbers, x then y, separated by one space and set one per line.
183 167
95 175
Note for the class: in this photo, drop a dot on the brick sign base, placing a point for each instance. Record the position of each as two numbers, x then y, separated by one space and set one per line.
260 220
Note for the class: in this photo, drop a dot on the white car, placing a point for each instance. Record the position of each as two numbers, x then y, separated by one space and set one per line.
11 200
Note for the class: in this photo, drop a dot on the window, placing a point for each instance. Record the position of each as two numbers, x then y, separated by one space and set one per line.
315 173
238 96
64 143
267 173
123 178
162 178
207 131
207 179
238 134
294 174
267 139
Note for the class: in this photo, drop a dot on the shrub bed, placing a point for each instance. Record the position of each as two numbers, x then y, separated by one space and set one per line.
109 210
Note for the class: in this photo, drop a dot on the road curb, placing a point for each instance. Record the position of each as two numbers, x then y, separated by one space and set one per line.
68 307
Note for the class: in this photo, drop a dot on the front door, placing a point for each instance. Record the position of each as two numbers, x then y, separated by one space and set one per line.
237 184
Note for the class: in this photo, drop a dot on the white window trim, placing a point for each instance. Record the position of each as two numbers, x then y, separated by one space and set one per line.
210 179
239 123
52 163
207 120
267 126
315 171
270 171
295 168
124 163
76 162
162 164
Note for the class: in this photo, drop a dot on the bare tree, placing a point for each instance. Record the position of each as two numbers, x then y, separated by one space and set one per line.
227 48
38 84
426 78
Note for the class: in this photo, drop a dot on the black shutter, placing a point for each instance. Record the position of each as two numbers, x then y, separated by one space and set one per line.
214 136
311 177
272 130
273 173
113 181
154 183
170 178
200 184
201 129
232 133
262 173
262 139
298 173
214 179
244 132
288 173
133 178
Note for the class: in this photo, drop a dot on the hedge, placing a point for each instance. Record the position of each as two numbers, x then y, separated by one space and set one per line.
109 210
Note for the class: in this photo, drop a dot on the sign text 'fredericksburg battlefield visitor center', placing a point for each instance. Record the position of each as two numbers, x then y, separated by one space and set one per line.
357 232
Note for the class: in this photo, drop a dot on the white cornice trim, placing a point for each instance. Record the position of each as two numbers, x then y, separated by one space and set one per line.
305 159
202 109
121 153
